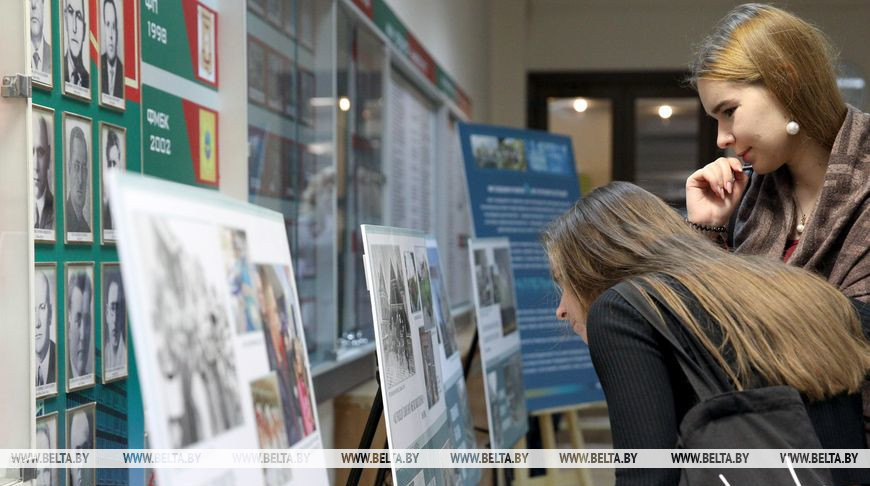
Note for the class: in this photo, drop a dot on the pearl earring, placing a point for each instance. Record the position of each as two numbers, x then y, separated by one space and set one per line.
792 128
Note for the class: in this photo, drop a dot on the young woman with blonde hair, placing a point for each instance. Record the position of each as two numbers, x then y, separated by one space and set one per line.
757 320
768 79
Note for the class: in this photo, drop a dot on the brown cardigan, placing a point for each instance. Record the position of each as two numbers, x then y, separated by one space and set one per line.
836 243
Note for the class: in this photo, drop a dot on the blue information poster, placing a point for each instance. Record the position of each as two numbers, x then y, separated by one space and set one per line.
519 181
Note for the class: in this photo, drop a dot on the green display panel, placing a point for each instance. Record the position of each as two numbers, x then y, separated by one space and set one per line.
179 91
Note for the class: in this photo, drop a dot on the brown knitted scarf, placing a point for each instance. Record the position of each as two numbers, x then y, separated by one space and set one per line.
836 240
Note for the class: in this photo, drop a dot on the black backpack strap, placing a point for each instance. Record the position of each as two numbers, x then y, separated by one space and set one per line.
704 385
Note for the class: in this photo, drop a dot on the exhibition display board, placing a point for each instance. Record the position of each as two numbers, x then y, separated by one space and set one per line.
459 423
408 347
495 309
518 181
216 317
86 111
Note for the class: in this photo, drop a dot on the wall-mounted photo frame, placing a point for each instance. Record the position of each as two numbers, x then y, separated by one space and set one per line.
81 433
46 438
77 176
75 45
79 325
113 156
45 329
44 187
111 29
40 44
115 326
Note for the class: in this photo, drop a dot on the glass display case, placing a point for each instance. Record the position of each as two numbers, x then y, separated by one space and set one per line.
291 120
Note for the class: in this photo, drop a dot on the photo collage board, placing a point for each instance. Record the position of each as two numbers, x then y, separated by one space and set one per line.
499 336
416 346
217 308
85 123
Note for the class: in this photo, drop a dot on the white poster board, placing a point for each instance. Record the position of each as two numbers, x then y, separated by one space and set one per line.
410 370
459 420
499 337
216 325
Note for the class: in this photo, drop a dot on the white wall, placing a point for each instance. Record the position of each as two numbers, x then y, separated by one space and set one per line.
629 35
456 34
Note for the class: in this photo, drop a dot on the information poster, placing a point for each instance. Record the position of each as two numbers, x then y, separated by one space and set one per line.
179 91
519 181
212 298
412 175
496 315
460 425
406 333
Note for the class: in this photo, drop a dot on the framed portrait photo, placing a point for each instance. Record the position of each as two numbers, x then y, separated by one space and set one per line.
46 438
77 173
44 189
206 45
45 329
111 29
40 43
79 325
81 433
113 156
115 328
76 59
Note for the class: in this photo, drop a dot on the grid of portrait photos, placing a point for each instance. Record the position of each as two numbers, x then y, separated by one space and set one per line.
78 47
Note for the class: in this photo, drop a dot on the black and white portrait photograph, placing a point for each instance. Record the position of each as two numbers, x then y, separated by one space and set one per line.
430 371
112 53
113 151
206 48
79 330
78 210
46 438
40 42
81 433
394 323
413 284
483 279
76 48
43 174
188 302
503 283
425 286
275 66
114 305
256 71
45 297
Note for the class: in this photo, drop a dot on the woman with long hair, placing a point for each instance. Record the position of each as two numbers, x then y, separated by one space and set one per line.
760 321
768 79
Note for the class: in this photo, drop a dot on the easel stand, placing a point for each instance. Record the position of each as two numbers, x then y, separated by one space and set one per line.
559 477
368 437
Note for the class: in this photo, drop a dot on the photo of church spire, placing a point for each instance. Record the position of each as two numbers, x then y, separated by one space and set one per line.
393 321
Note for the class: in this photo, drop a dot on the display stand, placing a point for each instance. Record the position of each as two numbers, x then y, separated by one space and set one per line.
558 477
368 436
